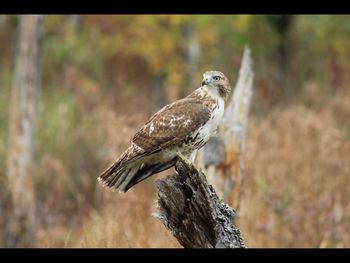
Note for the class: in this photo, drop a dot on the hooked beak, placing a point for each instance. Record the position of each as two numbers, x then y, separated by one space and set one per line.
205 81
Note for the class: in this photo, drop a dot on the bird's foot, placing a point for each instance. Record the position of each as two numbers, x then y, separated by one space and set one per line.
183 158
184 163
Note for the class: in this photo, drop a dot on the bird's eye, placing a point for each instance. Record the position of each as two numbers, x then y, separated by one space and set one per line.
216 78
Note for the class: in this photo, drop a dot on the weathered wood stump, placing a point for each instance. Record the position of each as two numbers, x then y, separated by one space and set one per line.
192 211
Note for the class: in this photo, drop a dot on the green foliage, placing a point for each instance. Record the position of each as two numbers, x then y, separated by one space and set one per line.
58 116
323 40
69 49
155 45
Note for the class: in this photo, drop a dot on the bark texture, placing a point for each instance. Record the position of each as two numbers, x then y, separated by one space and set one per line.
192 211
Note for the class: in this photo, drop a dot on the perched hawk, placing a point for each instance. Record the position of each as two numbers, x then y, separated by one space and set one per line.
183 126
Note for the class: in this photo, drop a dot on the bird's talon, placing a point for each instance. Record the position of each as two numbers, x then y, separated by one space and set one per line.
185 160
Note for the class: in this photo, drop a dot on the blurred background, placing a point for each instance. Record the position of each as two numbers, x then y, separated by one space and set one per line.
103 76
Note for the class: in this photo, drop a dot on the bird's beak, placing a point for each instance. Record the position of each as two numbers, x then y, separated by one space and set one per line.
205 81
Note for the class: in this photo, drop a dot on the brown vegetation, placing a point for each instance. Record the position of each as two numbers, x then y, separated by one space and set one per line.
97 91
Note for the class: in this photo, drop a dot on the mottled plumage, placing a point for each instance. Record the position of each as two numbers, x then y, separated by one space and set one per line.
183 126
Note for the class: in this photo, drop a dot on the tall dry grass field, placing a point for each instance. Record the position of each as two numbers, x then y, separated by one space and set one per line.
296 191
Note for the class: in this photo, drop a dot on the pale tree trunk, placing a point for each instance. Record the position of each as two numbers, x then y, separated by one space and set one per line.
25 95
222 157
190 56
3 21
76 22
158 90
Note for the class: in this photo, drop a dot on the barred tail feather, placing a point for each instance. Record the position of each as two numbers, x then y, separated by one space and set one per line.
124 175
114 174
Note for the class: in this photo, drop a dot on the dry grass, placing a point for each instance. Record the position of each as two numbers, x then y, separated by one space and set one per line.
296 192
126 221
298 177
122 221
110 219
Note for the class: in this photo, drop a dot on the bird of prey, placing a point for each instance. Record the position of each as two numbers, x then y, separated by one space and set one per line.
178 129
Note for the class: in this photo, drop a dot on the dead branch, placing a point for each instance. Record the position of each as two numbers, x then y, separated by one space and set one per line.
192 211
223 156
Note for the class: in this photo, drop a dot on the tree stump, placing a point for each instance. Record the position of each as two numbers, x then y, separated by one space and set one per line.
192 211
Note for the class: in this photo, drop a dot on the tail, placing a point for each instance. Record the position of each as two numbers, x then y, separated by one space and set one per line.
130 169
111 175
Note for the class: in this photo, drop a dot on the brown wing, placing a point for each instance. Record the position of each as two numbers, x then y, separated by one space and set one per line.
172 124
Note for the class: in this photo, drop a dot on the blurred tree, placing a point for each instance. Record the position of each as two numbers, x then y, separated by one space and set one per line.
167 45
76 22
190 54
282 24
3 21
25 94
222 157
323 40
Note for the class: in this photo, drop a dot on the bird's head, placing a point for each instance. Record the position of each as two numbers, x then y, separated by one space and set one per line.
217 81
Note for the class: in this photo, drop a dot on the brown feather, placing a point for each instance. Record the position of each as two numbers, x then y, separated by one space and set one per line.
172 124
129 155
